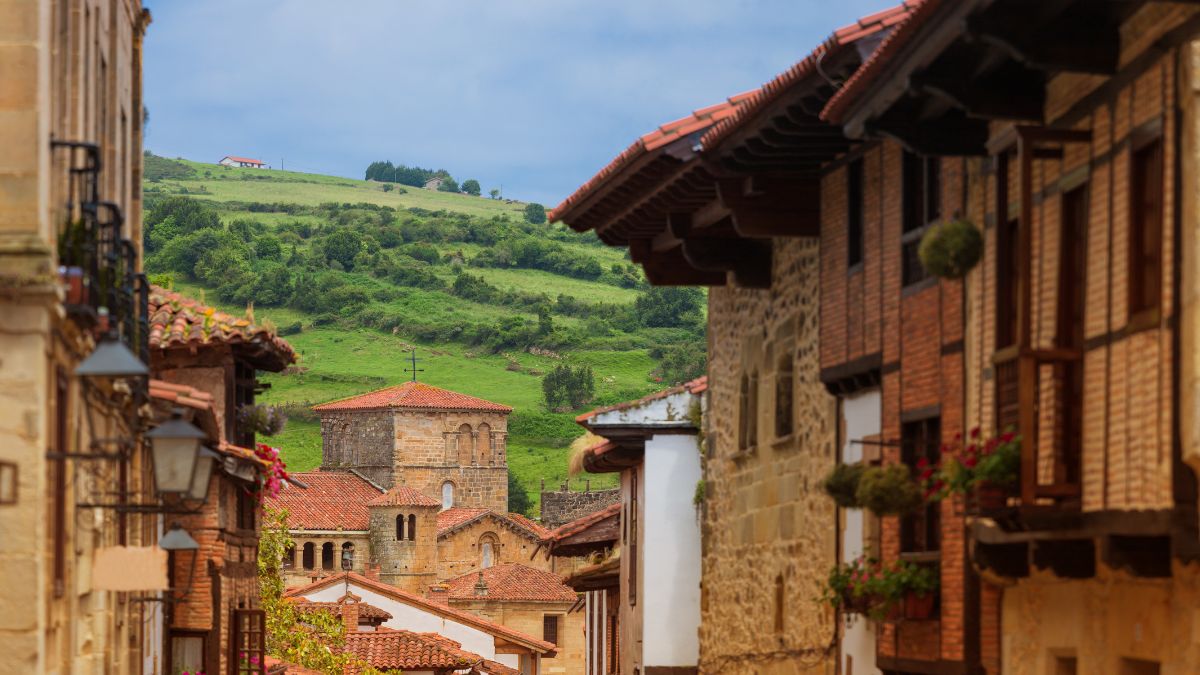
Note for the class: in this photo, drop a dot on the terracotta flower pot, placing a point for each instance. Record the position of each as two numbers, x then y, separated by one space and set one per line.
918 606
72 280
852 604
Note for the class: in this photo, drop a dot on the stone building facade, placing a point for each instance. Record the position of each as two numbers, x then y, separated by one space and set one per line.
436 441
563 506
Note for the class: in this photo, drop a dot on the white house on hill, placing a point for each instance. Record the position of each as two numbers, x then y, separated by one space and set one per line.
229 160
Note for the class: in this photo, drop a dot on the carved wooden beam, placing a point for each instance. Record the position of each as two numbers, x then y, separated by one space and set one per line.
772 207
671 268
1010 98
1094 51
748 259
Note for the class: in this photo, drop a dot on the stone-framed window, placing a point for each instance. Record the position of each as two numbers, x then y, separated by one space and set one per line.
308 557
347 555
400 527
327 555
466 449
489 551
447 495
785 378
412 527
483 444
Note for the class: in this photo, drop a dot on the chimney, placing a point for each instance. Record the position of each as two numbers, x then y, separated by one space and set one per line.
480 586
439 594
372 571
350 614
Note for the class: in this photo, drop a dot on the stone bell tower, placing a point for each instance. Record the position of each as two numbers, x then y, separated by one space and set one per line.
404 538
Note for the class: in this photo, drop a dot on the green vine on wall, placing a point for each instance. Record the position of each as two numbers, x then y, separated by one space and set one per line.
314 639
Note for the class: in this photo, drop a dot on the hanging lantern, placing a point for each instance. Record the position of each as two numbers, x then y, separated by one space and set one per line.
202 475
175 446
111 358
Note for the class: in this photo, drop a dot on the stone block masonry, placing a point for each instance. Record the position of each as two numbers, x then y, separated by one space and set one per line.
563 506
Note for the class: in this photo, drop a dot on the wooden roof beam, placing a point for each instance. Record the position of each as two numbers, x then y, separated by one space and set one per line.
1019 96
748 259
772 207
1093 49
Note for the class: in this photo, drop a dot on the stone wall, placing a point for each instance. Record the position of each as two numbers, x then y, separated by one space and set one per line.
410 564
360 441
296 574
528 617
459 551
769 533
563 506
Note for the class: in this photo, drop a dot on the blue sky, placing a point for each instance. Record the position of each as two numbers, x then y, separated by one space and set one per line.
533 95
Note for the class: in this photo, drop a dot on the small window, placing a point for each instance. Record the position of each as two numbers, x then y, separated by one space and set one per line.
347 556
187 653
922 205
248 641
920 443
308 558
550 628
854 213
412 527
247 508
1146 228
400 527
779 600
327 555
447 495
1139 667
1066 665
784 387
289 557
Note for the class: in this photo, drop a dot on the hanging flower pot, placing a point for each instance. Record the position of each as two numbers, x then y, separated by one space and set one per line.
842 484
888 491
950 250
71 279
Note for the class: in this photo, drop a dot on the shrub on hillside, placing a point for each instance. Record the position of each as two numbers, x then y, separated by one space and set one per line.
342 246
448 184
566 388
471 187
158 168
535 213
670 307
680 362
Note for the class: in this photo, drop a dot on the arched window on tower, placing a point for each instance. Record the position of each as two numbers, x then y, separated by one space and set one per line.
447 495
489 551
466 449
327 555
289 557
400 527
347 556
483 444
412 527
308 556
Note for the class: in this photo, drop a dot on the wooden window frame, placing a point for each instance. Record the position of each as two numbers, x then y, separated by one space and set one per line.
921 206
1145 247
854 215
921 438
255 642
785 397
552 635
247 510
173 633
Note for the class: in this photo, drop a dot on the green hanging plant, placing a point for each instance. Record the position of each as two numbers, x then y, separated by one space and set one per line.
888 491
950 250
842 484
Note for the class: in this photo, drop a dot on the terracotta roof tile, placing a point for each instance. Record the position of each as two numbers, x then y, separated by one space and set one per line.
582 523
392 649
413 395
333 499
174 394
696 386
453 519
844 36
402 495
365 610
415 600
511 581
179 321
837 106
529 523
661 136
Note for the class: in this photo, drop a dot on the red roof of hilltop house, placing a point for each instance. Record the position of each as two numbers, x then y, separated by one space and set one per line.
512 582
402 495
863 28
412 395
244 160
332 499
836 108
177 321
696 122
414 600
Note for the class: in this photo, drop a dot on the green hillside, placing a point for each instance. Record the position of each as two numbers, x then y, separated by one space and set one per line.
356 277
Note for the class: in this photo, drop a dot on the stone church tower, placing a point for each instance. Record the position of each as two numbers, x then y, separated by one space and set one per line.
448 446
404 538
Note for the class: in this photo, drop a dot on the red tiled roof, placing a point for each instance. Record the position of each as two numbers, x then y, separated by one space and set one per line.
671 131
365 610
489 667
415 600
696 386
413 395
393 649
453 519
580 524
769 92
837 106
511 581
179 321
243 159
333 499
402 495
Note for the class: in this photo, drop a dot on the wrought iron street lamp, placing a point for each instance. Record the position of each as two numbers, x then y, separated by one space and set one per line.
176 541
175 446
202 475
111 358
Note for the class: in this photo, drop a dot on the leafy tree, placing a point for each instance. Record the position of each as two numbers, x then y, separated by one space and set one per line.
545 321
681 361
342 246
471 187
535 213
494 193
669 307
518 497
189 214
448 184
567 388
158 168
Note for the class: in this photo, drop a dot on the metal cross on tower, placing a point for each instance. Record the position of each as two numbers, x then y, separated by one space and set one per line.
414 370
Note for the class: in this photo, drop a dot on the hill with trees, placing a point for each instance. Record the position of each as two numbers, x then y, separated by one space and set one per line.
524 313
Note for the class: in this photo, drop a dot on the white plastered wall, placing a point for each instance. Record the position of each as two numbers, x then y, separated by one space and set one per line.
862 415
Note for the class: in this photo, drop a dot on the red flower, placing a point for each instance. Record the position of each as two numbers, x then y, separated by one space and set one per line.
975 432
922 463
1007 437
971 461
